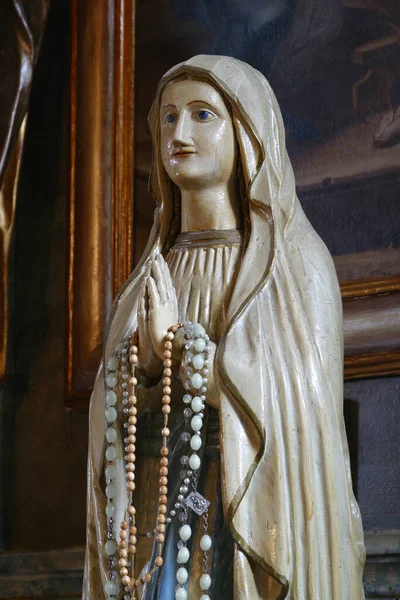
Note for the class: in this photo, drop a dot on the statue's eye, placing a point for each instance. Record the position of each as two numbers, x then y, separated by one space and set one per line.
170 118
204 115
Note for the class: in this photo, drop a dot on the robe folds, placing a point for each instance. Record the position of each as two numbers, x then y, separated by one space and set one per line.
287 492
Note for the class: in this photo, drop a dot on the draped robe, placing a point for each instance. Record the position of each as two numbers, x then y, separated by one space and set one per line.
286 483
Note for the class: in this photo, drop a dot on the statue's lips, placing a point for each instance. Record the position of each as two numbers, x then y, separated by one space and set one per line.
183 154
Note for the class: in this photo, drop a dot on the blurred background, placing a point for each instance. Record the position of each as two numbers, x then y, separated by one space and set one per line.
76 83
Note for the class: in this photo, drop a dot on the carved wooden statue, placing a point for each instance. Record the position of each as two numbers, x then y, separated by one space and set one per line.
252 497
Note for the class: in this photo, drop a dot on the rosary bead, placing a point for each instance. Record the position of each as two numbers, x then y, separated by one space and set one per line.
124 525
123 535
182 575
126 580
130 466
133 530
111 380
195 442
168 345
123 571
132 549
132 439
197 381
183 555
111 414
181 594
133 349
165 432
167 381
205 581
164 461
111 398
198 362
131 510
200 345
163 480
111 435
166 409
130 486
197 404
132 540
160 538
168 363
163 499
168 372
147 578
161 519
161 528
123 553
158 561
130 476
110 547
122 544
167 355
185 532
205 543
133 410
167 390
163 490
164 471
132 400
133 380
110 588
132 429
111 472
131 457
166 399
162 509
194 462
164 451
131 448
174 328
133 359
132 420
196 423
170 336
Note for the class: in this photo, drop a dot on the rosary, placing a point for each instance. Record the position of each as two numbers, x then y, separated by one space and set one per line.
121 380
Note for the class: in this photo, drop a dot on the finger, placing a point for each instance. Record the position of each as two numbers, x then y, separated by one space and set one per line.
154 298
157 271
169 286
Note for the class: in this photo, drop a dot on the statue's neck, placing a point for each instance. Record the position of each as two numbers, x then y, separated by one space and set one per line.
208 209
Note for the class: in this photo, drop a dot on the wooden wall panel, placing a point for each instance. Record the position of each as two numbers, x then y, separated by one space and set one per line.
101 179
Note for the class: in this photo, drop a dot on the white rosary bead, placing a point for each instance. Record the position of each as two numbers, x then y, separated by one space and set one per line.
182 575
111 398
110 510
205 581
185 532
113 363
200 345
111 380
198 362
195 442
111 435
110 547
197 381
199 330
197 404
110 588
111 414
205 543
111 453
196 423
194 462
205 597
181 594
183 555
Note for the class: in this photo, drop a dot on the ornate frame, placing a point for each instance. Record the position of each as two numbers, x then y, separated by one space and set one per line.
101 179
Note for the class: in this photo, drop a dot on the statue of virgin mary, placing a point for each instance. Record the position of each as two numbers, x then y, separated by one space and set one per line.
231 249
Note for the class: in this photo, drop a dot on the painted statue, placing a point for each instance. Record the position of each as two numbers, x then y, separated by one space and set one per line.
232 250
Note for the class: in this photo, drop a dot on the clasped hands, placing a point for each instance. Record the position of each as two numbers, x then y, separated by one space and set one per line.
158 310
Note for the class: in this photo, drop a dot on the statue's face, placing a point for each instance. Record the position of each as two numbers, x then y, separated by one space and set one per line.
198 145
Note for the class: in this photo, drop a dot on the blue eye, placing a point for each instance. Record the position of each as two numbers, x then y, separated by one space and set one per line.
204 115
170 118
